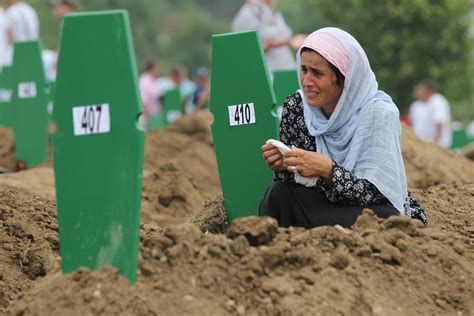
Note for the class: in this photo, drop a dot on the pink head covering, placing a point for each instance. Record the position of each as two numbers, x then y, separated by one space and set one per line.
330 48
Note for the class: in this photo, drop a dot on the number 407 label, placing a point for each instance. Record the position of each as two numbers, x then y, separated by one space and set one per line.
241 114
91 119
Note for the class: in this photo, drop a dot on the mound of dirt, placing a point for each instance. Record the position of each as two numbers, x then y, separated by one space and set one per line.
7 148
252 267
427 164
196 125
188 144
38 180
170 195
381 267
28 238
102 292
212 217
468 152
449 207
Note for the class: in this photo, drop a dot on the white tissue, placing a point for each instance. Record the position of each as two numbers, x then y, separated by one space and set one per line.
306 181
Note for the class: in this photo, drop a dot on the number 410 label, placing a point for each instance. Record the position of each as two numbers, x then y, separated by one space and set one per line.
91 119
241 114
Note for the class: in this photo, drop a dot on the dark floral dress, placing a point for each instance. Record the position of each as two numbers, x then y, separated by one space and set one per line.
346 188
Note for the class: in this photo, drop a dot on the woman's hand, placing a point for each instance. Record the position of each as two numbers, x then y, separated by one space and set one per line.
273 157
309 164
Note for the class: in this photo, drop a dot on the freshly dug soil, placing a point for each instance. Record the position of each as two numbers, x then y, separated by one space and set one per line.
7 148
468 152
38 180
450 207
192 153
169 195
193 263
212 217
389 267
427 164
28 238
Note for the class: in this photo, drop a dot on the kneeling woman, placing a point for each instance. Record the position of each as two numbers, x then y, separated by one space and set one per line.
345 137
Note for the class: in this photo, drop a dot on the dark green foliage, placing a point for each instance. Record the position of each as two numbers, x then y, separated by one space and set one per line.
171 31
406 40
410 40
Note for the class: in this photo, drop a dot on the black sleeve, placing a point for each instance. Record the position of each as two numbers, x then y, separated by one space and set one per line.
348 189
293 131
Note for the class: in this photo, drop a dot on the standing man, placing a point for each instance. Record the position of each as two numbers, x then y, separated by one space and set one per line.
277 37
21 24
3 39
431 114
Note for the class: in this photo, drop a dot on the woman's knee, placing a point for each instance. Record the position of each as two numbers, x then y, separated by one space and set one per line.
274 198
384 211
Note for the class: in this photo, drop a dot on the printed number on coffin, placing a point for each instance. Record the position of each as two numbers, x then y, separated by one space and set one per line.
91 119
242 114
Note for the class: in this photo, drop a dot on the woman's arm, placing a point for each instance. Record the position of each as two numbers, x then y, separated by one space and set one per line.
293 132
348 189
309 164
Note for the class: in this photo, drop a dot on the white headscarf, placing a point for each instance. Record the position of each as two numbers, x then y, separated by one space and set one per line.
363 133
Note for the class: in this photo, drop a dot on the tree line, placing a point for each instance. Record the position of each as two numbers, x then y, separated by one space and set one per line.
405 40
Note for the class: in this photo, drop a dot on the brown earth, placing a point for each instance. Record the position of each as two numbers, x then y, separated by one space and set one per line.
427 164
468 152
390 267
7 148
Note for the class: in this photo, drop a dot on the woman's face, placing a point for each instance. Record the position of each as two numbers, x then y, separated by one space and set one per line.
319 82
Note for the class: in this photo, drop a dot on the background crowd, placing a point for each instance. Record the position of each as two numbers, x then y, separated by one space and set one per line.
416 56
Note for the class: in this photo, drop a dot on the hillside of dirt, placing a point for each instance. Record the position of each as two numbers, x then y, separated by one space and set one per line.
427 164
252 267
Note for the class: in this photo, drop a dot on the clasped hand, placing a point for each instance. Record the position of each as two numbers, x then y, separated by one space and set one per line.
306 163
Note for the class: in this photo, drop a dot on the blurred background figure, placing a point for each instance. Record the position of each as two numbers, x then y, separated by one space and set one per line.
59 8
261 15
62 7
173 80
21 24
149 90
430 114
3 38
177 78
419 115
186 88
201 93
49 62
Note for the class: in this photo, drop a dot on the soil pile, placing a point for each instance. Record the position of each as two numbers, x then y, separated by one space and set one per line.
28 239
427 164
188 144
381 267
7 148
170 195
212 218
468 152
102 292
449 207
38 180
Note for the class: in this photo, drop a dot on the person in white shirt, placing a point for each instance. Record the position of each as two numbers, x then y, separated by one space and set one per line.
277 37
3 39
431 114
421 121
21 24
